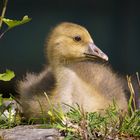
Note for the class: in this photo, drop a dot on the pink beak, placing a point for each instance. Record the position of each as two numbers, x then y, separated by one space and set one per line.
95 52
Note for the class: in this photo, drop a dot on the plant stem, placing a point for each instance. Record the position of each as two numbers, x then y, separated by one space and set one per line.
137 74
132 95
2 34
3 12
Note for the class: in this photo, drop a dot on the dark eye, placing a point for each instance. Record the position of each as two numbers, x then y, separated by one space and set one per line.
77 38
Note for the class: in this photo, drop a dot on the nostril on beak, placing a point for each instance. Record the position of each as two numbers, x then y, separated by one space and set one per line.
96 51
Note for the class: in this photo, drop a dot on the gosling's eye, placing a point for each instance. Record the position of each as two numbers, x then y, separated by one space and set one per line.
77 38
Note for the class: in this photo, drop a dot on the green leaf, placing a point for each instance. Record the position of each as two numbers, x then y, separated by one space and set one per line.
12 23
7 76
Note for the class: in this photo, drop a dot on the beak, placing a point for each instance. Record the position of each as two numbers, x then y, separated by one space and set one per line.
94 52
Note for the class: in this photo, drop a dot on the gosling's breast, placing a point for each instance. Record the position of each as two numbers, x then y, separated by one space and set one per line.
87 96
72 90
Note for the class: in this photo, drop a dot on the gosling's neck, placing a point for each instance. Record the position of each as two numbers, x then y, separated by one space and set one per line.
60 67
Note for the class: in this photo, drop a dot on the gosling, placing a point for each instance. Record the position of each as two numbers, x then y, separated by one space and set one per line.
77 73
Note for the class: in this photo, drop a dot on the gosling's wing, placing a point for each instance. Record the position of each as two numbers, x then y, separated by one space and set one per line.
34 84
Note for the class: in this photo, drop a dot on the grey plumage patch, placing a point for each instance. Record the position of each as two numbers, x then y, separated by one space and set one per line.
37 83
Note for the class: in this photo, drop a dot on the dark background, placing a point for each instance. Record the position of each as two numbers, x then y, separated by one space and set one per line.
113 24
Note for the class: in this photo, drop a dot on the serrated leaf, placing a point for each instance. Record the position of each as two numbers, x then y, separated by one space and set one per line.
7 76
12 23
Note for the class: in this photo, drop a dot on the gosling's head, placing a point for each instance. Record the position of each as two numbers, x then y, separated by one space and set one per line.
71 42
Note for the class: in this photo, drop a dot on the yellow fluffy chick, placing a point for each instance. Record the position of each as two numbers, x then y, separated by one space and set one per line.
76 74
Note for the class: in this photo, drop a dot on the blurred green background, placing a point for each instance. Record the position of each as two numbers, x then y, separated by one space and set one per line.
113 24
